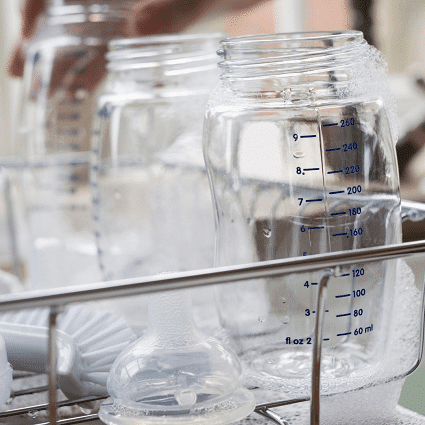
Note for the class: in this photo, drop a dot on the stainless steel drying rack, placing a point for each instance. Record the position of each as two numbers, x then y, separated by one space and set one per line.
57 299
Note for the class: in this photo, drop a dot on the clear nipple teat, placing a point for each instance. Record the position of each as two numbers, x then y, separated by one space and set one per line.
175 374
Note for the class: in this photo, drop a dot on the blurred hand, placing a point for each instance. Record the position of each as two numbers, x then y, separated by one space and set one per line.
30 10
148 17
172 16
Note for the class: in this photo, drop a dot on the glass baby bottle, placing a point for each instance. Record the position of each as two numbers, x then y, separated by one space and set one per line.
151 201
64 69
299 145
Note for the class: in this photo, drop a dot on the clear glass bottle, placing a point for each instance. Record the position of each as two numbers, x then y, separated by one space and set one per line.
299 145
151 200
64 69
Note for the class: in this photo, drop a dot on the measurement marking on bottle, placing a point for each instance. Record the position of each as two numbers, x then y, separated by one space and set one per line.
344 334
74 177
307 136
338 213
340 234
335 172
77 164
315 227
343 296
343 275
337 192
360 330
343 315
311 169
314 200
68 131
330 125
72 116
325 339
334 149
73 101
326 311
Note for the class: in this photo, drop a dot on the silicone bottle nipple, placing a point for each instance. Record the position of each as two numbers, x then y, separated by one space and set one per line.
175 374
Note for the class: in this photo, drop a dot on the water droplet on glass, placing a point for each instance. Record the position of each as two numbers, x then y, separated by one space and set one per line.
261 318
9 401
285 320
271 361
298 154
185 397
117 194
283 300
267 233
32 414
287 94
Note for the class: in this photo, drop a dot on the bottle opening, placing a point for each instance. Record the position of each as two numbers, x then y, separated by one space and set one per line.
169 52
289 52
61 12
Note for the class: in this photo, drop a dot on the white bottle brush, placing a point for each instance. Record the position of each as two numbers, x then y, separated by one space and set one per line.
175 374
87 346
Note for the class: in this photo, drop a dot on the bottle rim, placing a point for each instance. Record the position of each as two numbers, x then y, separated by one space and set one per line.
62 12
250 56
135 42
163 50
64 7
282 38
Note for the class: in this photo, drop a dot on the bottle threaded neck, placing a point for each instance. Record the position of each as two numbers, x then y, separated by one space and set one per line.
56 5
286 54
62 12
173 54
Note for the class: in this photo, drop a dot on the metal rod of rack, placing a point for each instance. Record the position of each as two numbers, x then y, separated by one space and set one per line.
53 360
220 275
317 347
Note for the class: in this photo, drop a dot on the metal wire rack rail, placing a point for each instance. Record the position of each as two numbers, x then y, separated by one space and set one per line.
57 299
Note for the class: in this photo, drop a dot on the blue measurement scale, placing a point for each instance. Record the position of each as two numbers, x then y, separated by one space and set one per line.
332 202
57 173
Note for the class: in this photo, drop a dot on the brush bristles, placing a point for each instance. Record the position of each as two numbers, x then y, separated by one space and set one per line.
99 339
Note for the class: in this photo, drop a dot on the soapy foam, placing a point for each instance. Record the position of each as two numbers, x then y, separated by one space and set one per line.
400 357
376 403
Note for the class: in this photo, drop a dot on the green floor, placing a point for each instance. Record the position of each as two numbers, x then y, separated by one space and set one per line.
413 393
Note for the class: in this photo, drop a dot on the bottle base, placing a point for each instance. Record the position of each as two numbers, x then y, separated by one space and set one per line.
224 410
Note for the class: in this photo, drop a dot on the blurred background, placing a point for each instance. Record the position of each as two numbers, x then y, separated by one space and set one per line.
395 27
